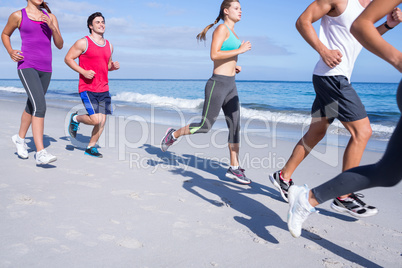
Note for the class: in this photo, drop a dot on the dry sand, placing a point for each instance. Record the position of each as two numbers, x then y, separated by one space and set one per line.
139 207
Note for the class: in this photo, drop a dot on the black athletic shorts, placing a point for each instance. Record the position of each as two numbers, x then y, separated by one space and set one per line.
336 98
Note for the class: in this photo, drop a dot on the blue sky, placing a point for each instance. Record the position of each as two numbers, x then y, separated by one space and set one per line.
156 40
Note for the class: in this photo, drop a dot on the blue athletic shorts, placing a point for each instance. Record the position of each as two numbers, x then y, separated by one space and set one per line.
336 98
97 103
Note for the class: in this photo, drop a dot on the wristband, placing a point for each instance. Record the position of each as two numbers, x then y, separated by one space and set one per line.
387 26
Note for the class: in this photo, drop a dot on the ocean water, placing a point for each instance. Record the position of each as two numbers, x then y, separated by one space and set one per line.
265 101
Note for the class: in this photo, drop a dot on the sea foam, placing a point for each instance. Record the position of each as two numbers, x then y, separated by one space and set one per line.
159 101
195 105
12 89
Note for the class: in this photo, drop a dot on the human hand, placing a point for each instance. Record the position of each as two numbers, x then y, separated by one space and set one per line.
115 65
238 69
245 46
16 55
332 58
395 17
48 21
89 74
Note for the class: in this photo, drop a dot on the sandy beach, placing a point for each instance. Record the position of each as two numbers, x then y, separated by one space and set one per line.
140 207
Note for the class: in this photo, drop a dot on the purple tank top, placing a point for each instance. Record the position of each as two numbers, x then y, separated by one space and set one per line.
36 44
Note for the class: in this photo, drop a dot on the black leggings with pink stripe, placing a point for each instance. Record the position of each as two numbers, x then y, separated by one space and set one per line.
385 173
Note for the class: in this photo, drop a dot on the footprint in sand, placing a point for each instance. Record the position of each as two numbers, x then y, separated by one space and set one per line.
130 243
106 237
45 240
128 193
24 200
61 249
332 263
73 235
86 184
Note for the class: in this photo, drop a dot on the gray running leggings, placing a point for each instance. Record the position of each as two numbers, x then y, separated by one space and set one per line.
386 173
220 92
35 84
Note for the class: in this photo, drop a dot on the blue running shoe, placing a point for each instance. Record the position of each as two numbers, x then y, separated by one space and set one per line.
73 126
92 151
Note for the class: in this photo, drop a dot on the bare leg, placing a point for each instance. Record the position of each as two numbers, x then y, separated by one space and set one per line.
311 199
234 154
96 120
182 131
314 135
360 132
26 120
38 125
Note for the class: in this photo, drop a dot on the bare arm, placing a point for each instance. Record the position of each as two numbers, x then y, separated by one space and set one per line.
53 24
393 19
13 23
366 33
75 51
304 25
113 65
219 36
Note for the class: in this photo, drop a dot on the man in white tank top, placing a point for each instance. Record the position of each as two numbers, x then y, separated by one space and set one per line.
335 96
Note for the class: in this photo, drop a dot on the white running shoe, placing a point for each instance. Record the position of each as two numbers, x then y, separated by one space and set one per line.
299 209
354 205
43 157
22 148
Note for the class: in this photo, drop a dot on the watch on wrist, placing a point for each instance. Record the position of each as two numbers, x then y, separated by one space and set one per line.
387 26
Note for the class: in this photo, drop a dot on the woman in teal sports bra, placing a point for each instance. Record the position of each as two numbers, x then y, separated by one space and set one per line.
220 90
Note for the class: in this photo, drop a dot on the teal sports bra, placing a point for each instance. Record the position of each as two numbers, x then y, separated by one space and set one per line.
231 43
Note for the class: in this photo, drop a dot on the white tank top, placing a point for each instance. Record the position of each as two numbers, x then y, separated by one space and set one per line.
335 34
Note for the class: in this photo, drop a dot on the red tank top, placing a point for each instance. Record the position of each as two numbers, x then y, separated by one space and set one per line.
96 58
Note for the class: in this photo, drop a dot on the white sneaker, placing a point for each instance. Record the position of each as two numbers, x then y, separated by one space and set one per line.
22 148
43 157
299 209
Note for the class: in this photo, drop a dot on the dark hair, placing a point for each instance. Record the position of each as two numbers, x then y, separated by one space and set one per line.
44 6
91 19
225 5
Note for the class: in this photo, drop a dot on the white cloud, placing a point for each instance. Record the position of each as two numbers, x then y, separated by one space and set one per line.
74 6
154 5
170 11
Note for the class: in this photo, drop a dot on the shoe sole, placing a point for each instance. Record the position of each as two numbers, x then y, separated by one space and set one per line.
275 183
167 131
100 156
15 143
45 163
290 213
343 210
234 177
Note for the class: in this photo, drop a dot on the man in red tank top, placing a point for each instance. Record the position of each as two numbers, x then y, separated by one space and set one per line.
95 61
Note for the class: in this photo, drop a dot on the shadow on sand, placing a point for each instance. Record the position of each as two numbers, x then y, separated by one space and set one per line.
236 196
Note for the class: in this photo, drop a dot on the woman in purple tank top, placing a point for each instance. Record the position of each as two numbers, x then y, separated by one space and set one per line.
37 26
